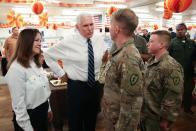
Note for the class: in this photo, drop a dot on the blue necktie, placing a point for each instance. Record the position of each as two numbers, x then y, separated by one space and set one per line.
91 67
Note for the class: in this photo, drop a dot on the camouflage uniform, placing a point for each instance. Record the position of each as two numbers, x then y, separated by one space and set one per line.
162 92
123 92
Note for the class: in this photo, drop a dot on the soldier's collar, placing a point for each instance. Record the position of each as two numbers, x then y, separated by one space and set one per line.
130 41
153 60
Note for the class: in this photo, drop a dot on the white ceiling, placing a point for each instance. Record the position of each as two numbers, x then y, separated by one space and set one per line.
144 8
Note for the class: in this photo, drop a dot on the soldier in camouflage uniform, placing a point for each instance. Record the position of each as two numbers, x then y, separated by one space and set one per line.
123 92
163 85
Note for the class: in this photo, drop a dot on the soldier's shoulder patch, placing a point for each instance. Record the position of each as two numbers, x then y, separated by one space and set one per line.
133 79
176 80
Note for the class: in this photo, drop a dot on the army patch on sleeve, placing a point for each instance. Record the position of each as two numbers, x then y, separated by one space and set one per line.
176 80
133 79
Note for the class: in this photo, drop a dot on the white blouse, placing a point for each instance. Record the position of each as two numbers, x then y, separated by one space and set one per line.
29 88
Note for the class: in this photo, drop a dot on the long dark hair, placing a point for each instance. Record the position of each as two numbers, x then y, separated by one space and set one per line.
24 45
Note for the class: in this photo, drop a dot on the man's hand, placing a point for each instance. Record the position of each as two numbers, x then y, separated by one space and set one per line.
194 90
164 125
105 56
64 78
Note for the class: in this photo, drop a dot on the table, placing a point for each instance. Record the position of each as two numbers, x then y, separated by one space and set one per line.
58 103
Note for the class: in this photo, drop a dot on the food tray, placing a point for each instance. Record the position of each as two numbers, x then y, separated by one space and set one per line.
57 83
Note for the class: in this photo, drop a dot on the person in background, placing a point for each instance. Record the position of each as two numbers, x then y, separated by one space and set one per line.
9 47
0 55
123 88
188 36
163 85
3 62
81 53
140 44
42 60
28 84
10 43
194 37
173 34
146 34
183 50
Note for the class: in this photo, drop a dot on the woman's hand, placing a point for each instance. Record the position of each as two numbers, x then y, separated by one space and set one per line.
50 116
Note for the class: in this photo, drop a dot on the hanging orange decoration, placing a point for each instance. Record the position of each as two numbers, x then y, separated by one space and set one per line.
62 24
178 5
37 8
14 19
54 26
43 19
8 1
4 25
155 27
111 10
167 13
47 26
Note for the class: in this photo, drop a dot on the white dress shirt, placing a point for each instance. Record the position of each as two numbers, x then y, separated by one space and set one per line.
29 88
73 51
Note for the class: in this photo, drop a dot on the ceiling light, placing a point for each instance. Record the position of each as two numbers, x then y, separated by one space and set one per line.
34 20
25 10
149 19
140 10
22 10
77 12
110 5
160 9
144 15
193 18
160 3
177 16
65 17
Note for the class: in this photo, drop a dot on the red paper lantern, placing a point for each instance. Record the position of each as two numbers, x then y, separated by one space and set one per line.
178 5
112 10
189 28
37 8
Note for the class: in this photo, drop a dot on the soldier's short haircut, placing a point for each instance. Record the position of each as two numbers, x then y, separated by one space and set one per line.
127 19
164 36
14 28
181 25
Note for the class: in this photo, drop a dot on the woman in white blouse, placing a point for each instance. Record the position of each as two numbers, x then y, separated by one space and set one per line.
28 85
